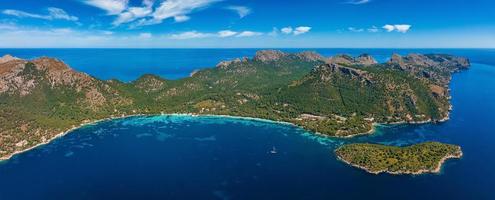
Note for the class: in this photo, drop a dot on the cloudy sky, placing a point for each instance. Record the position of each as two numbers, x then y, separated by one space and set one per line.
247 23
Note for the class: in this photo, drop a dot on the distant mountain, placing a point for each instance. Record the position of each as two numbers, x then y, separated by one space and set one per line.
338 96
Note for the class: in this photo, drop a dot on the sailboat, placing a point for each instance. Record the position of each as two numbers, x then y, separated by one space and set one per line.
273 151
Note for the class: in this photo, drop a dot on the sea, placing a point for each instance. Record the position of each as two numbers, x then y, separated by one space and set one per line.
210 157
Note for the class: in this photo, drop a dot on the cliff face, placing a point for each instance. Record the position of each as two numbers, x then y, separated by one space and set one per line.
366 59
327 71
363 59
269 55
436 67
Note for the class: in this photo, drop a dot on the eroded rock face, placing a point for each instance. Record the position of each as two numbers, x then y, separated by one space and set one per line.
7 58
272 56
327 71
22 77
449 61
438 91
59 74
366 59
363 59
269 55
430 66
226 64
310 56
10 79
341 59
415 61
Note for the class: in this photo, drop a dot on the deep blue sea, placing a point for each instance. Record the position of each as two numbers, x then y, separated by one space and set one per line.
183 157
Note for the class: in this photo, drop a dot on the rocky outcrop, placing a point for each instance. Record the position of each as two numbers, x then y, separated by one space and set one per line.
366 59
414 62
341 59
226 64
438 91
430 66
327 71
269 55
455 63
149 83
7 58
310 56
21 77
363 59
266 56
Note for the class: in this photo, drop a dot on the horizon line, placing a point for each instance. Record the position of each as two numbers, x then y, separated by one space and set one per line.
247 48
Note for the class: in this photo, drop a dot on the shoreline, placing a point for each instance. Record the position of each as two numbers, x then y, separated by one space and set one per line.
75 127
437 169
61 134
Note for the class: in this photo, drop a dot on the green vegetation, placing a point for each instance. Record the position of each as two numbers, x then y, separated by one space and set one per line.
415 159
42 98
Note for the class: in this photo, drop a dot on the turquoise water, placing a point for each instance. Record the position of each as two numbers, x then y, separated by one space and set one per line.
183 157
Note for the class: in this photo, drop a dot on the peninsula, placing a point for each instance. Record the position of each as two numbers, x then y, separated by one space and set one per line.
339 96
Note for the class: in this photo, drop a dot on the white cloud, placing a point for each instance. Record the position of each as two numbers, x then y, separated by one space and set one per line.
356 30
67 37
357 2
145 35
389 28
373 29
242 11
189 35
249 34
401 28
226 33
301 30
112 7
219 34
148 3
57 13
286 30
148 14
53 13
181 18
132 14
177 9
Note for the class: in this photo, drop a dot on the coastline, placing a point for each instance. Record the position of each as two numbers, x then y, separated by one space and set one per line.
61 134
437 169
75 127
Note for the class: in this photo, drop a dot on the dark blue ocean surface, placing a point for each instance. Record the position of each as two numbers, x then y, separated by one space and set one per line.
183 157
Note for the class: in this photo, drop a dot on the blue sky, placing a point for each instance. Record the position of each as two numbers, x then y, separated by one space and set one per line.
248 23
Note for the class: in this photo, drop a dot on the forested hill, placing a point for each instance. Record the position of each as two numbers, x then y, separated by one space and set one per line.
338 96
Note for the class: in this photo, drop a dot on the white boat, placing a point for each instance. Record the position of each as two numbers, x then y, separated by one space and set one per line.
273 151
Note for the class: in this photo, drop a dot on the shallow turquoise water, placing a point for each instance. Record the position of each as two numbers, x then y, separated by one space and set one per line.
183 157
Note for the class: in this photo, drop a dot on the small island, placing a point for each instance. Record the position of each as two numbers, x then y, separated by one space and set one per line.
420 158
